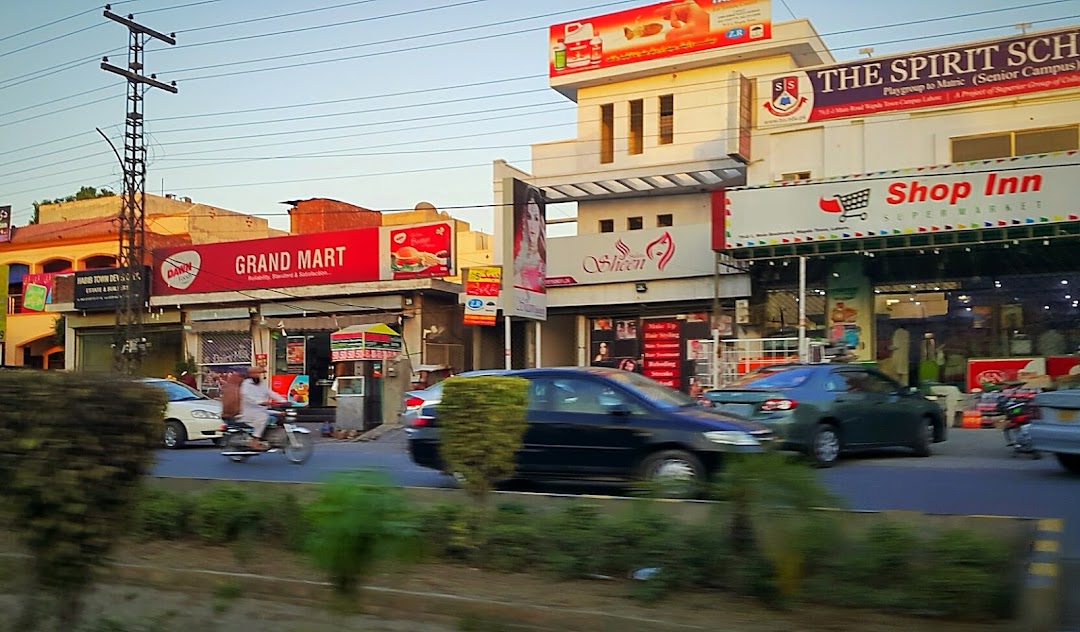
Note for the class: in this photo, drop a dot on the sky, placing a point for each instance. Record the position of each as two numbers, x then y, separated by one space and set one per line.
379 103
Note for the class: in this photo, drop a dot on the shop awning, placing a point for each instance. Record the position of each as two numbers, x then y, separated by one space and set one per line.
377 341
682 178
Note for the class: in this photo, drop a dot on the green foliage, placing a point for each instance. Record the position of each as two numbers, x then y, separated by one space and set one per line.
356 521
482 423
224 514
964 576
162 515
60 330
188 364
74 449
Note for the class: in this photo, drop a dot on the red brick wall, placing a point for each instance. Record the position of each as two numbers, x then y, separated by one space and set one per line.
321 215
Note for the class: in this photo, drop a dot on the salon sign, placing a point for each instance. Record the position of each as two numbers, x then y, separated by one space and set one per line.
640 255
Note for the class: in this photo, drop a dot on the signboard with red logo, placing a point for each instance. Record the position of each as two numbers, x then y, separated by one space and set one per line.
661 350
365 342
1023 191
37 291
985 371
347 256
1022 64
420 251
656 31
5 223
640 255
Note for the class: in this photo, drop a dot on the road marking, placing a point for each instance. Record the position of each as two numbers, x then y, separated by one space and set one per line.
1045 569
1047 546
1057 525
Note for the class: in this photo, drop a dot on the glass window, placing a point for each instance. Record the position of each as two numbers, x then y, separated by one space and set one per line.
1016 143
607 133
584 396
634 223
637 126
607 225
664 220
1041 141
775 379
177 392
651 390
667 119
981 147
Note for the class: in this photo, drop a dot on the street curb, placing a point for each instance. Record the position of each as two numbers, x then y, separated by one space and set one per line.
1043 581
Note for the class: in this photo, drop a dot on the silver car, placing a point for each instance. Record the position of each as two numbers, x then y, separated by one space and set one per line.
413 401
1056 428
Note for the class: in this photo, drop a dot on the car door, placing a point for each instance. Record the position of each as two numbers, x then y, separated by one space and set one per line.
588 426
900 418
538 453
856 405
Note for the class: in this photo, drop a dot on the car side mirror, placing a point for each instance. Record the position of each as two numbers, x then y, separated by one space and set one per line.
910 391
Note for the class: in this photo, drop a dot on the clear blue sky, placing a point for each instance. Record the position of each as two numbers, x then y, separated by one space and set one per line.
444 134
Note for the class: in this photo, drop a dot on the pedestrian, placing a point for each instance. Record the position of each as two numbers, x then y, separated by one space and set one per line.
188 379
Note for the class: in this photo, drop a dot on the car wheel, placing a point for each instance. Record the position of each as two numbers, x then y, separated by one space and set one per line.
1070 462
175 435
673 472
923 445
826 446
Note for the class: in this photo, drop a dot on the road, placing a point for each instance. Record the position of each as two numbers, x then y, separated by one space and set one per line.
972 473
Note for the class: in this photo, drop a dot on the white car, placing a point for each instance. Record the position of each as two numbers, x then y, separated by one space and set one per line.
189 415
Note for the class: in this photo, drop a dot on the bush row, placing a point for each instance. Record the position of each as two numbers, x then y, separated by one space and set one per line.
887 566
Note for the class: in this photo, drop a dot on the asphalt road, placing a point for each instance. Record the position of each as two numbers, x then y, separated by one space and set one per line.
972 473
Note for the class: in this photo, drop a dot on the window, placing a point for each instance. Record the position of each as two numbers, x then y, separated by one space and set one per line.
571 395
637 126
775 379
607 225
1018 143
667 119
795 176
634 223
607 133
664 220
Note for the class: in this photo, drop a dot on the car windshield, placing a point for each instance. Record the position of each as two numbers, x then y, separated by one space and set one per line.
177 392
658 394
774 379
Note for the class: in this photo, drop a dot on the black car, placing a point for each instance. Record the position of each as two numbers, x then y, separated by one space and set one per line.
600 423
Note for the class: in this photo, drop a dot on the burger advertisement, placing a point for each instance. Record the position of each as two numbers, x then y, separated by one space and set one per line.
422 251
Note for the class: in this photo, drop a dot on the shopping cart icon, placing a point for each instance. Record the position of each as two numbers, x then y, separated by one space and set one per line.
848 205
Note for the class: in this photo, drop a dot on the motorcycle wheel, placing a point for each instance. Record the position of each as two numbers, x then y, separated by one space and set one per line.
234 443
299 454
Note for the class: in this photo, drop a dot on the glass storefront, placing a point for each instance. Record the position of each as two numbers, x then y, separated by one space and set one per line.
95 350
668 349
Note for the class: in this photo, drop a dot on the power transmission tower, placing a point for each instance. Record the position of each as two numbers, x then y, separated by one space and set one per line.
129 342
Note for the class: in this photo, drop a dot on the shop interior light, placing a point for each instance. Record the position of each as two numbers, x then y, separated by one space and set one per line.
968 308
1064 281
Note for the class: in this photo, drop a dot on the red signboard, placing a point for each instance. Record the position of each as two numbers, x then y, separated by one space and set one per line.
422 251
37 291
661 350
656 31
347 256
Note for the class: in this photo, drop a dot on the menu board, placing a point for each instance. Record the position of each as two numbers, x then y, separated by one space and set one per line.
661 347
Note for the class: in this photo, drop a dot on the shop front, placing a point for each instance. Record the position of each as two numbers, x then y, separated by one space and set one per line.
963 275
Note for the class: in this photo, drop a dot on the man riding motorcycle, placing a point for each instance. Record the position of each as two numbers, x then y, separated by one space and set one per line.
255 397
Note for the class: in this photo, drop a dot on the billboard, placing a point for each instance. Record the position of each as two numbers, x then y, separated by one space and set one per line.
1022 64
482 286
656 31
5 271
525 245
5 224
1023 191
104 289
37 291
640 255
420 251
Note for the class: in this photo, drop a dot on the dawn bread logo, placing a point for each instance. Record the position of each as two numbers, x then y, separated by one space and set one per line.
399 238
179 270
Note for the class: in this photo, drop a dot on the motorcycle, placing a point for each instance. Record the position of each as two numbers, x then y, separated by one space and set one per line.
289 438
1018 412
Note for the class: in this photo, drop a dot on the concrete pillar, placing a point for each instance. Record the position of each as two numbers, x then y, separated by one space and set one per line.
582 337
412 331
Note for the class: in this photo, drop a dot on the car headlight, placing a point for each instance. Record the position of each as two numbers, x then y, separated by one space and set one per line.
731 437
205 414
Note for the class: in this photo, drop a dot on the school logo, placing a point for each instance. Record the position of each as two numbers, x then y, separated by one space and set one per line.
785 99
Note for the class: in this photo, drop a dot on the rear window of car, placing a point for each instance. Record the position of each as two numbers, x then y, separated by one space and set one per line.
775 379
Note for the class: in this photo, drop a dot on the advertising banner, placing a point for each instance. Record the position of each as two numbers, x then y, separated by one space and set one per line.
104 289
4 272
656 31
365 342
1023 191
37 291
296 354
1021 64
525 245
482 285
294 388
420 251
640 255
5 224
346 256
661 351
849 310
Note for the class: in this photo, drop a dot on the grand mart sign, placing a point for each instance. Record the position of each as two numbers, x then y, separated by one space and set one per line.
348 256
968 196
1024 64
640 255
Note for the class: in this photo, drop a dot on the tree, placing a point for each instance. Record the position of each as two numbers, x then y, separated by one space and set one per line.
84 193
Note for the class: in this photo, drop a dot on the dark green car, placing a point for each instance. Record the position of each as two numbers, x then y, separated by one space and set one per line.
824 410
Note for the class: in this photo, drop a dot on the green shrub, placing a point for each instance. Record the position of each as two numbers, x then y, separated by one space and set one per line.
224 514
575 541
963 576
511 539
161 514
482 423
356 521
73 450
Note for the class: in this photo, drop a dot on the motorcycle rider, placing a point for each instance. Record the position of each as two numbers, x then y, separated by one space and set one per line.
255 397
